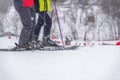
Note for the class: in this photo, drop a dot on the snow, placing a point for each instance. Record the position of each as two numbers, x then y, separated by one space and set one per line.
86 63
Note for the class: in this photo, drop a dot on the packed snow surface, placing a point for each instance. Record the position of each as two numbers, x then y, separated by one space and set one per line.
85 63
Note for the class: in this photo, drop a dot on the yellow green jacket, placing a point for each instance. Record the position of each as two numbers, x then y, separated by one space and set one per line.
44 5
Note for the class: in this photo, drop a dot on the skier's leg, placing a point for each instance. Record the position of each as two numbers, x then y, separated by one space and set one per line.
25 16
38 26
48 25
46 35
33 18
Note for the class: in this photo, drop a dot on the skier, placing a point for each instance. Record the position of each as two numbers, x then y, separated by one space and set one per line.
26 11
42 7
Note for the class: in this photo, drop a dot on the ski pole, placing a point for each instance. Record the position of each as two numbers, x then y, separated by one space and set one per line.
58 22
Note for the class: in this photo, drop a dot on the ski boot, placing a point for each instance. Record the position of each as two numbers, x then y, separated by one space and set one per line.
36 43
48 42
21 47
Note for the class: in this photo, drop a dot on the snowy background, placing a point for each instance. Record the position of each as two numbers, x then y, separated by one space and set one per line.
79 19
95 20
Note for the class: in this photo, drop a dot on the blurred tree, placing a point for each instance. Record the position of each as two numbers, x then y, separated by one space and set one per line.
4 4
112 8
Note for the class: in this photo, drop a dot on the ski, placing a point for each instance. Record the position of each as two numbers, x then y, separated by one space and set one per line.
58 48
47 48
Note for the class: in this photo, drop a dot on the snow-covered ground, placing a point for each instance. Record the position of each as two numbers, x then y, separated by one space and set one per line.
85 63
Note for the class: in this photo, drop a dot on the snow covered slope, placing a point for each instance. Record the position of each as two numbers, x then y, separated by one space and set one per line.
85 63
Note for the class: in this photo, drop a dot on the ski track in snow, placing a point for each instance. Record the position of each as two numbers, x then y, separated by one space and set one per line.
85 63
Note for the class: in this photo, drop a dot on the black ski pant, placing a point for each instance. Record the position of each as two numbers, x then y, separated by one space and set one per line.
43 20
27 16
